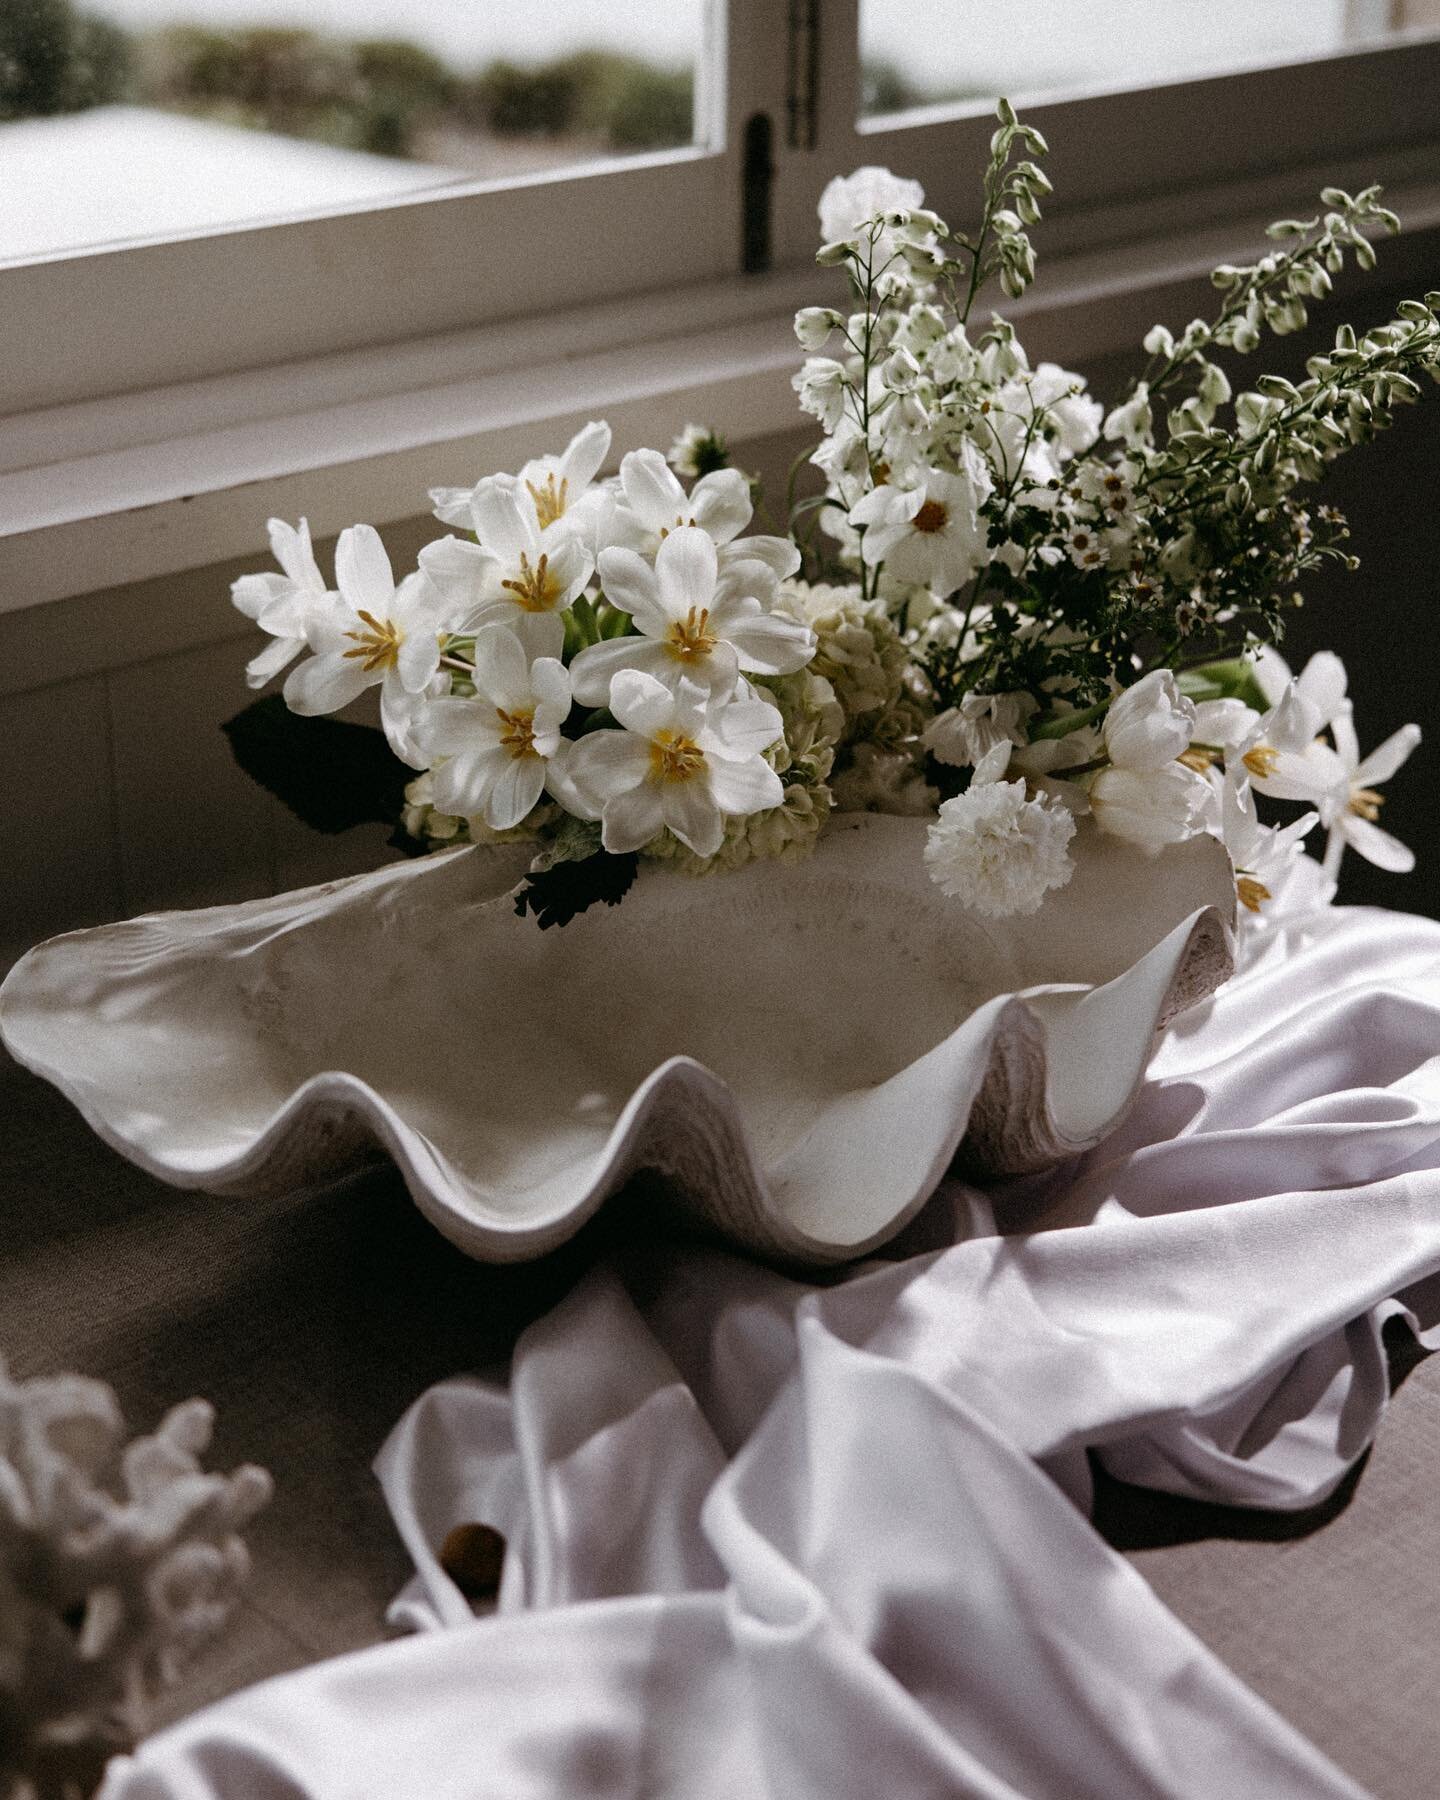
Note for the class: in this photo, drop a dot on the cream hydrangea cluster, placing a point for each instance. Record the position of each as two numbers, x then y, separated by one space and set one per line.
117 1562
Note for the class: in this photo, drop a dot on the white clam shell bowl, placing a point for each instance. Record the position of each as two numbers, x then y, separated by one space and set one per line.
796 1050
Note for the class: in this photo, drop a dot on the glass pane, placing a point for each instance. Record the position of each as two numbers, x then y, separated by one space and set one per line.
122 119
926 52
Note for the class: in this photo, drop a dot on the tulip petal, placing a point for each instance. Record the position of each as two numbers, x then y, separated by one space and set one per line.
325 683
363 570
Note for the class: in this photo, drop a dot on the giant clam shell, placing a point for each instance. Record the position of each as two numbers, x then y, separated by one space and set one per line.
796 1049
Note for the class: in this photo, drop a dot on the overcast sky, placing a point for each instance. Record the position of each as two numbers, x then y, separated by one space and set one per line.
1017 44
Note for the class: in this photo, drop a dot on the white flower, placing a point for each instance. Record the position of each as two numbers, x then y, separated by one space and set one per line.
850 202
1149 724
931 534
518 574
1265 856
1343 788
1149 808
373 633
1310 700
696 623
652 505
967 732
696 446
1085 545
823 387
1070 412
684 759
813 325
997 851
555 490
282 604
1132 421
497 745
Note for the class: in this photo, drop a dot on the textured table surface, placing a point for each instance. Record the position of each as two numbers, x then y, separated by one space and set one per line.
312 1321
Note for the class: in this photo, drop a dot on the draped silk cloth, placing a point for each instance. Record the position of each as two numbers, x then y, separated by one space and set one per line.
791 1541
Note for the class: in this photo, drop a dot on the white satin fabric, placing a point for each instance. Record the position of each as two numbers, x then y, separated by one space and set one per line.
794 1542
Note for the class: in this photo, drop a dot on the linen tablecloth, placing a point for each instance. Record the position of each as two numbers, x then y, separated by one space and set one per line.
778 1538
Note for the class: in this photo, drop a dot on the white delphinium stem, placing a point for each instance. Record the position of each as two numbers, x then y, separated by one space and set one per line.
497 746
995 849
685 759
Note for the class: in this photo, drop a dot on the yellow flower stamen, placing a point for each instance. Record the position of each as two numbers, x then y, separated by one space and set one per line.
1261 761
690 639
1365 803
1251 892
680 522
536 590
518 736
675 757
550 501
931 516
379 647
1199 758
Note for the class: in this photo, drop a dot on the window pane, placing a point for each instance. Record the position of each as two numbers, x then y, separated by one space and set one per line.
123 119
924 52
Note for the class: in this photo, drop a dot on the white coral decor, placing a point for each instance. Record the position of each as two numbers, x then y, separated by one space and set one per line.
117 1561
999 852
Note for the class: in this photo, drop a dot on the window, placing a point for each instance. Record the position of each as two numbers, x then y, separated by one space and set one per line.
258 350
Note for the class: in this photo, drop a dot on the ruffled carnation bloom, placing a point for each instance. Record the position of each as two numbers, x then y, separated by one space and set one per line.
998 851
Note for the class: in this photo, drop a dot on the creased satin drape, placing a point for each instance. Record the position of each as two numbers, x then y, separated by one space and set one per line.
796 1542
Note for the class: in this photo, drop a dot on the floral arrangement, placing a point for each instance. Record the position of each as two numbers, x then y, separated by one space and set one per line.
117 1561
1009 609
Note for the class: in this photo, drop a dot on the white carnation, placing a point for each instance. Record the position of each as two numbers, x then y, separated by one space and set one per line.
998 852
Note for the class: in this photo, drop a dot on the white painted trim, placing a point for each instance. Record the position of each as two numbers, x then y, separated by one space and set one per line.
144 485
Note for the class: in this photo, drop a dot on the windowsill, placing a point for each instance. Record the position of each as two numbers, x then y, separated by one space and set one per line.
140 485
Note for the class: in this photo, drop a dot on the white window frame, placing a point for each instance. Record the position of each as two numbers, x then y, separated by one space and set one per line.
336 366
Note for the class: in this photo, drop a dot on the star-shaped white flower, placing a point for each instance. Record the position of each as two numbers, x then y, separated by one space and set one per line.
373 634
683 760
519 574
1342 786
497 746
282 604
652 504
554 490
696 623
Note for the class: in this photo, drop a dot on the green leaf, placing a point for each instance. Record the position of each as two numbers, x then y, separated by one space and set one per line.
1230 680
331 774
556 894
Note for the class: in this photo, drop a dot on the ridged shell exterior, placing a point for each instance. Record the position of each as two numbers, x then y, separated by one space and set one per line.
797 1050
